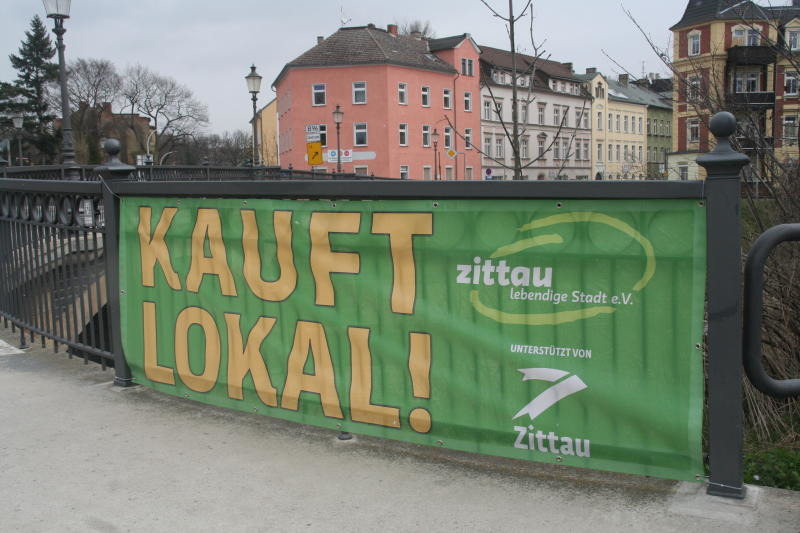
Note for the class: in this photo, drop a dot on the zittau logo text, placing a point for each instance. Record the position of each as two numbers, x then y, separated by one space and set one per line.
537 440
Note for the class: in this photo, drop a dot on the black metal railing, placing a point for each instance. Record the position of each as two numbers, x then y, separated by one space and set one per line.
53 264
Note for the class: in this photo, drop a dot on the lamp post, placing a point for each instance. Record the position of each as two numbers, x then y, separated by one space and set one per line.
435 139
338 116
58 10
254 87
17 126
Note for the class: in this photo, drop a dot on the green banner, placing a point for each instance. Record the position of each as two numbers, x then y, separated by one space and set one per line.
563 332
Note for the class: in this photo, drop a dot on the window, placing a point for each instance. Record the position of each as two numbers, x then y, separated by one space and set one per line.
523 111
541 140
618 123
618 153
694 43
649 130
753 37
468 173
426 96
468 138
318 94
523 148
447 98
403 172
693 133
466 66
323 134
426 135
557 149
640 154
359 92
542 109
746 82
683 171
668 128
625 152
360 134
625 122
578 117
448 137
403 134
640 124
586 151
790 128
556 115
692 88
793 38
599 120
487 110
610 123
402 93
739 35
448 172
487 146
498 110
565 146
610 152
599 151
426 172
361 170
498 147
791 83
586 120
577 150
599 91
467 101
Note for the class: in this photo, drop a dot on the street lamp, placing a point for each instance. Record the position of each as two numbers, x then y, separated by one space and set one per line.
435 138
338 116
17 126
58 10
254 87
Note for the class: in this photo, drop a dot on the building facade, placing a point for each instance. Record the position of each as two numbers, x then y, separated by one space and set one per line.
409 104
267 134
741 57
619 136
553 113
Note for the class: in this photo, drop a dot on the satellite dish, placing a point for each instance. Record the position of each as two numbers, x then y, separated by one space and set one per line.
344 20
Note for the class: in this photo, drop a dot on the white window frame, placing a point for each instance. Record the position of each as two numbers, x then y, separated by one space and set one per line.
791 83
403 172
693 43
524 148
499 148
402 93
793 39
316 90
487 109
357 129
361 170
790 128
359 87
466 67
468 173
447 98
468 138
448 137
448 172
468 101
427 172
426 135
487 145
402 133
542 113
425 95
693 131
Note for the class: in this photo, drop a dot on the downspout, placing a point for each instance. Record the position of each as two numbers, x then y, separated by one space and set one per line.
455 126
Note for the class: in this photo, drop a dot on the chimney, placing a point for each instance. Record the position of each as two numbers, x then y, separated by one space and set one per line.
569 66
623 80
107 108
320 38
371 26
591 70
392 29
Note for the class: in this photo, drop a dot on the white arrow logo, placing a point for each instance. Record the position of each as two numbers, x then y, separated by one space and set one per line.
552 395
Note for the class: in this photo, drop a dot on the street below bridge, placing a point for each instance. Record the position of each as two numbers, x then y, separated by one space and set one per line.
78 454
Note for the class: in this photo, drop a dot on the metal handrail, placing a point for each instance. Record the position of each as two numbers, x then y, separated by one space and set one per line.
753 306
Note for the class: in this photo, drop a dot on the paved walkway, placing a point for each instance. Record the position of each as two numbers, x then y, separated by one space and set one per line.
77 454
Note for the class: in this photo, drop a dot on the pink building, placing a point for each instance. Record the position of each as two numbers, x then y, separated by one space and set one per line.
395 92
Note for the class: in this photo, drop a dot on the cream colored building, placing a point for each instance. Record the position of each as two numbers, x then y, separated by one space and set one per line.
619 129
267 129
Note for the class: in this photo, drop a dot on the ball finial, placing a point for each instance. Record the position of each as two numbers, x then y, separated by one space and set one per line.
722 124
112 147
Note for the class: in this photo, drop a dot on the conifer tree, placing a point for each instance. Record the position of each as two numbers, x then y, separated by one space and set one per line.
35 72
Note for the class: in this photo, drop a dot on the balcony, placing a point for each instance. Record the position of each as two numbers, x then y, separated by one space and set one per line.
751 55
761 98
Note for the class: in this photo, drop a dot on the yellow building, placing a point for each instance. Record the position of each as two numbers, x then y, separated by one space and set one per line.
619 133
267 134
738 57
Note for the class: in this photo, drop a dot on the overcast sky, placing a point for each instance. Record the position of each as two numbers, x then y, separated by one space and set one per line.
209 45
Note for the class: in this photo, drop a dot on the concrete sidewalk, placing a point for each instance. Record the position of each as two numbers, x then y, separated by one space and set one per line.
77 454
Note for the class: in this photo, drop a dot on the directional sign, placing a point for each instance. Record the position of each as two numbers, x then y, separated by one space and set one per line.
451 154
314 151
312 133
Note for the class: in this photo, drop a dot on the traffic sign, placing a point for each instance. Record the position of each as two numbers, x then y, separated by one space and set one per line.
314 151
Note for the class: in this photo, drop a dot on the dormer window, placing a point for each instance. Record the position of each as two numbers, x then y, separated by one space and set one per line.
745 36
694 43
793 39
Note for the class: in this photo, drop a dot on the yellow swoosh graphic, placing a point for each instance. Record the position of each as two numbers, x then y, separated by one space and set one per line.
562 317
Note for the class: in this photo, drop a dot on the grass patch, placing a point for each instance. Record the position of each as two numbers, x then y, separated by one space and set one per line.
776 467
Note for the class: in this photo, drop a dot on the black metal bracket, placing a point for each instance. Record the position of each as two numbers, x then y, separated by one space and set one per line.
753 306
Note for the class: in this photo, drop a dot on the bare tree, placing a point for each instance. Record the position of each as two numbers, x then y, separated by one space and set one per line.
417 26
174 112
